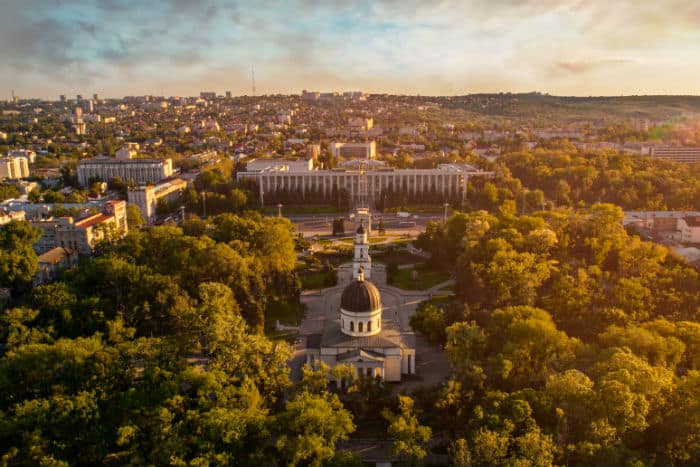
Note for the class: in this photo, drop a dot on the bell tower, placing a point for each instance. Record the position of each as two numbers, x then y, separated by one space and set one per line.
361 262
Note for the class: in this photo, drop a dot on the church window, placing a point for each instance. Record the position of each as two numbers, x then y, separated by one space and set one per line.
352 325
359 326
369 372
369 326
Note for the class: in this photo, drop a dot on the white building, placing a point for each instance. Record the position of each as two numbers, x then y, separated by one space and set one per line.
128 151
147 197
354 150
360 338
141 171
272 175
26 153
14 168
689 228
676 153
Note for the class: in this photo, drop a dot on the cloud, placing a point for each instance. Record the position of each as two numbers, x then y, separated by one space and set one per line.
584 66
444 46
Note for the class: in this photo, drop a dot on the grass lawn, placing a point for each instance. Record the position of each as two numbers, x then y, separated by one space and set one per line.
287 313
372 240
425 280
312 280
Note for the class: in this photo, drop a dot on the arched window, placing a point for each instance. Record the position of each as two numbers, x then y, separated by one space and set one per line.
378 324
352 325
359 326
369 326
342 323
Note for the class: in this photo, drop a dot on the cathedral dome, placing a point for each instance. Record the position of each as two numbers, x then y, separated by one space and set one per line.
360 296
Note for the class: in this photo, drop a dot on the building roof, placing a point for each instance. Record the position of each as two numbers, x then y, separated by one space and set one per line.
55 255
92 220
358 355
360 296
389 337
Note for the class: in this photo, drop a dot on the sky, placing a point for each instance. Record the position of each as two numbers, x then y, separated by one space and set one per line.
441 47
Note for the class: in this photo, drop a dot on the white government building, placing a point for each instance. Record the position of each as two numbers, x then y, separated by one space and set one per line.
373 346
273 175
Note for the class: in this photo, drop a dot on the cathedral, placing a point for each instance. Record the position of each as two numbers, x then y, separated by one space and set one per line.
360 336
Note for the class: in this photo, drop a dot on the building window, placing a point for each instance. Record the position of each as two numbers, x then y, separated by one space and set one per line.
369 372
369 326
342 321
359 326
352 326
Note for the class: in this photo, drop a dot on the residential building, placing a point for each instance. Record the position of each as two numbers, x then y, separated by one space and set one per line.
13 168
26 153
52 262
82 234
354 150
128 151
8 216
360 123
147 197
141 171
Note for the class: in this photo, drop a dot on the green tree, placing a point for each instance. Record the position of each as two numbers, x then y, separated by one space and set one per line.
309 427
409 437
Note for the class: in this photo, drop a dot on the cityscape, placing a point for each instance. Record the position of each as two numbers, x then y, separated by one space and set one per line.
304 234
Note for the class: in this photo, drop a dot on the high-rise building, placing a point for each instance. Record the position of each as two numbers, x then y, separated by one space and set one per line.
96 97
228 94
79 97
207 95
62 98
14 168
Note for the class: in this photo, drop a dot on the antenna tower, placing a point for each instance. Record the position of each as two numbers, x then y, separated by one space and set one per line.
252 74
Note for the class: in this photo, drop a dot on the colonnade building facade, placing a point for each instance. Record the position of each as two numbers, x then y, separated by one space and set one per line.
141 171
448 180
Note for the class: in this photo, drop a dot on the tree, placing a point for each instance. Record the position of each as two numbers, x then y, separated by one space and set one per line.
409 436
18 262
309 427
134 218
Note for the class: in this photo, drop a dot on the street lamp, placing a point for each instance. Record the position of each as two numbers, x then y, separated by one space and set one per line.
279 209
444 212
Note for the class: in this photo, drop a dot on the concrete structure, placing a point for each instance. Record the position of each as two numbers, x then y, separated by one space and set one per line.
53 261
14 168
279 174
141 171
676 153
354 150
147 197
82 234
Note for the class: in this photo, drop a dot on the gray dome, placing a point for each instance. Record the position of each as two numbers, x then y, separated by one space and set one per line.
360 296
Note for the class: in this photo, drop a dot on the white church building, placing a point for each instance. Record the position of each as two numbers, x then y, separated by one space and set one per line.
360 337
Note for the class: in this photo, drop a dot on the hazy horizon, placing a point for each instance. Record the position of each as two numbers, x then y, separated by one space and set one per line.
176 47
